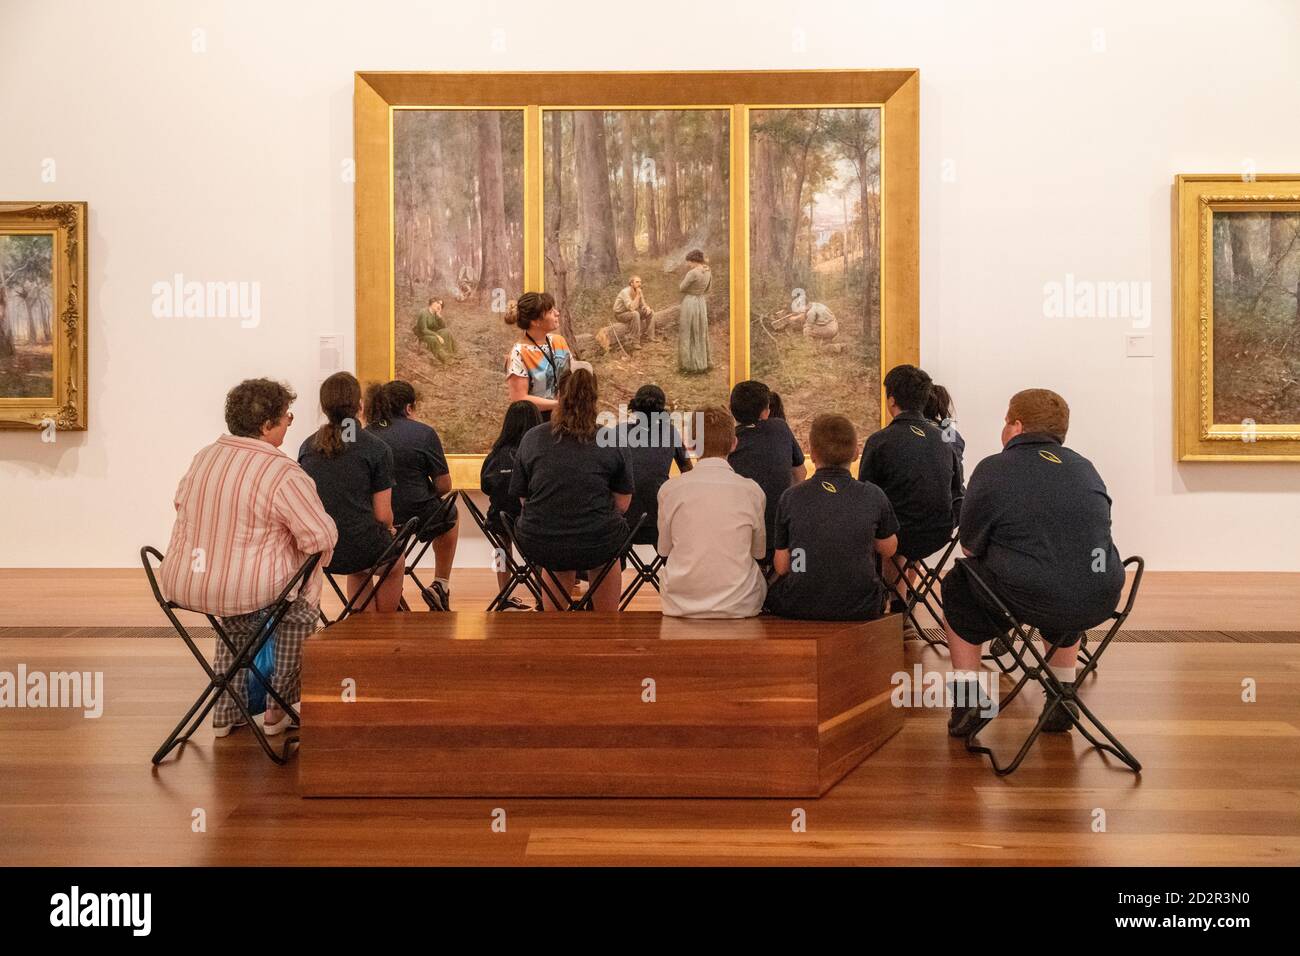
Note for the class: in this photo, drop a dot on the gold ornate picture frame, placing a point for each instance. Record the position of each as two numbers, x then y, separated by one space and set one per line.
43 315
379 96
1237 317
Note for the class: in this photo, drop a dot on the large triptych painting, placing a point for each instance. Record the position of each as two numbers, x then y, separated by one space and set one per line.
628 196
695 229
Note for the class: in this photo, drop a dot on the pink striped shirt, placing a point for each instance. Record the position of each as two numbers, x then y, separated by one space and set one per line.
247 516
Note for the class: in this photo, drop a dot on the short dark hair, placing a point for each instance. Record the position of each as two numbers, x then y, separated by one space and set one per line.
749 400
254 402
695 255
649 399
909 387
834 440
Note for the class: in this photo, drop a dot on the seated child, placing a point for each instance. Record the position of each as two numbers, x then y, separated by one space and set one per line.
353 471
916 469
766 450
421 479
826 570
1036 529
652 443
711 530
494 477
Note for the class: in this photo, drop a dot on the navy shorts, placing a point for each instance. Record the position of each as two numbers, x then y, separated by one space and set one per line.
975 619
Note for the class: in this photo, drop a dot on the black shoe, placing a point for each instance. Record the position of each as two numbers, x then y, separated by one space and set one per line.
514 604
963 720
1059 722
1000 647
437 596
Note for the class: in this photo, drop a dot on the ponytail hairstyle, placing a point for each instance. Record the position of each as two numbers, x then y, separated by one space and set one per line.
575 411
387 402
530 307
939 407
340 400
520 417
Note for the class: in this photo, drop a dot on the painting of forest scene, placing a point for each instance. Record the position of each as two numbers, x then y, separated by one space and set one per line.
26 315
636 224
458 261
815 265
1257 317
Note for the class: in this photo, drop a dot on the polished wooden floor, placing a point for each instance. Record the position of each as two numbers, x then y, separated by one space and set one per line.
1221 779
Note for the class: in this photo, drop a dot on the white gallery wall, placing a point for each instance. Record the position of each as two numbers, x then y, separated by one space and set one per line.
211 139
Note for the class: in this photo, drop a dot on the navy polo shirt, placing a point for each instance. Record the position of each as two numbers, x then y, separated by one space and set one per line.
767 453
1037 516
910 460
418 458
830 524
651 452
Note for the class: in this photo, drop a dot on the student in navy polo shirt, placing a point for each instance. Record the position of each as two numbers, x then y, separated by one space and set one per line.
829 530
766 450
917 470
1036 528
652 443
421 478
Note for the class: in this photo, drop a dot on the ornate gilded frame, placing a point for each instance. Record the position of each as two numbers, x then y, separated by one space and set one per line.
896 92
1197 197
66 222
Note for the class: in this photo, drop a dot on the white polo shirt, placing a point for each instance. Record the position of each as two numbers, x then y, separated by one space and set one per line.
711 529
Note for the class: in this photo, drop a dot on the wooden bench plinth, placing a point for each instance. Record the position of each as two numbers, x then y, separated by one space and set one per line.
516 704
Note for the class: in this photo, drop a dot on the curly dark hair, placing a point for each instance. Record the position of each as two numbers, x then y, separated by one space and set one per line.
530 307
909 387
255 402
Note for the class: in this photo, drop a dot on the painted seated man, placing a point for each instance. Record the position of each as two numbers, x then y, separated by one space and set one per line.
1035 526
431 330
818 322
631 308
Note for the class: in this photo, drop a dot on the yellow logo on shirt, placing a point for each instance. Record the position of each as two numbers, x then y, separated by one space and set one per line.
917 430
1048 456
829 487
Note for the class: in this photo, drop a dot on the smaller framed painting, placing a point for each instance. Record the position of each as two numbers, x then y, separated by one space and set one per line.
43 316
1237 317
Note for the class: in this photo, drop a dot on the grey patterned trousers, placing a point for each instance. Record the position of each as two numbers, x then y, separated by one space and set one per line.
298 623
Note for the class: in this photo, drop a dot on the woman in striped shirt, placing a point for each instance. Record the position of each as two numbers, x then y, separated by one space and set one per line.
247 517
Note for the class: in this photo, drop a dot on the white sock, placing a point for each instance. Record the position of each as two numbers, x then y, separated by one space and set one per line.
1063 673
444 582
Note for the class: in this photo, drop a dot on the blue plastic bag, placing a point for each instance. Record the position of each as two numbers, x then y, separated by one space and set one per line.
264 662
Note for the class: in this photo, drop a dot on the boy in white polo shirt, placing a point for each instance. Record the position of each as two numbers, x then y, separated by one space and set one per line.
712 531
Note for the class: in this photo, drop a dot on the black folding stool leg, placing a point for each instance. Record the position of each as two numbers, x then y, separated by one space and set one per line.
435 517
535 572
241 658
643 574
503 552
588 599
1058 694
388 558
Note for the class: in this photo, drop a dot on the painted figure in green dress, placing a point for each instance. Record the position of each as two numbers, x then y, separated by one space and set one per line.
431 330
693 322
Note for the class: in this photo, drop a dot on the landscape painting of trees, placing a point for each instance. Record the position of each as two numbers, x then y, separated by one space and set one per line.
1256 317
815 263
458 213
26 315
631 193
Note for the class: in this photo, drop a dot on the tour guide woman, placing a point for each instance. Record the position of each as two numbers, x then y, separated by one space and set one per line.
540 359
